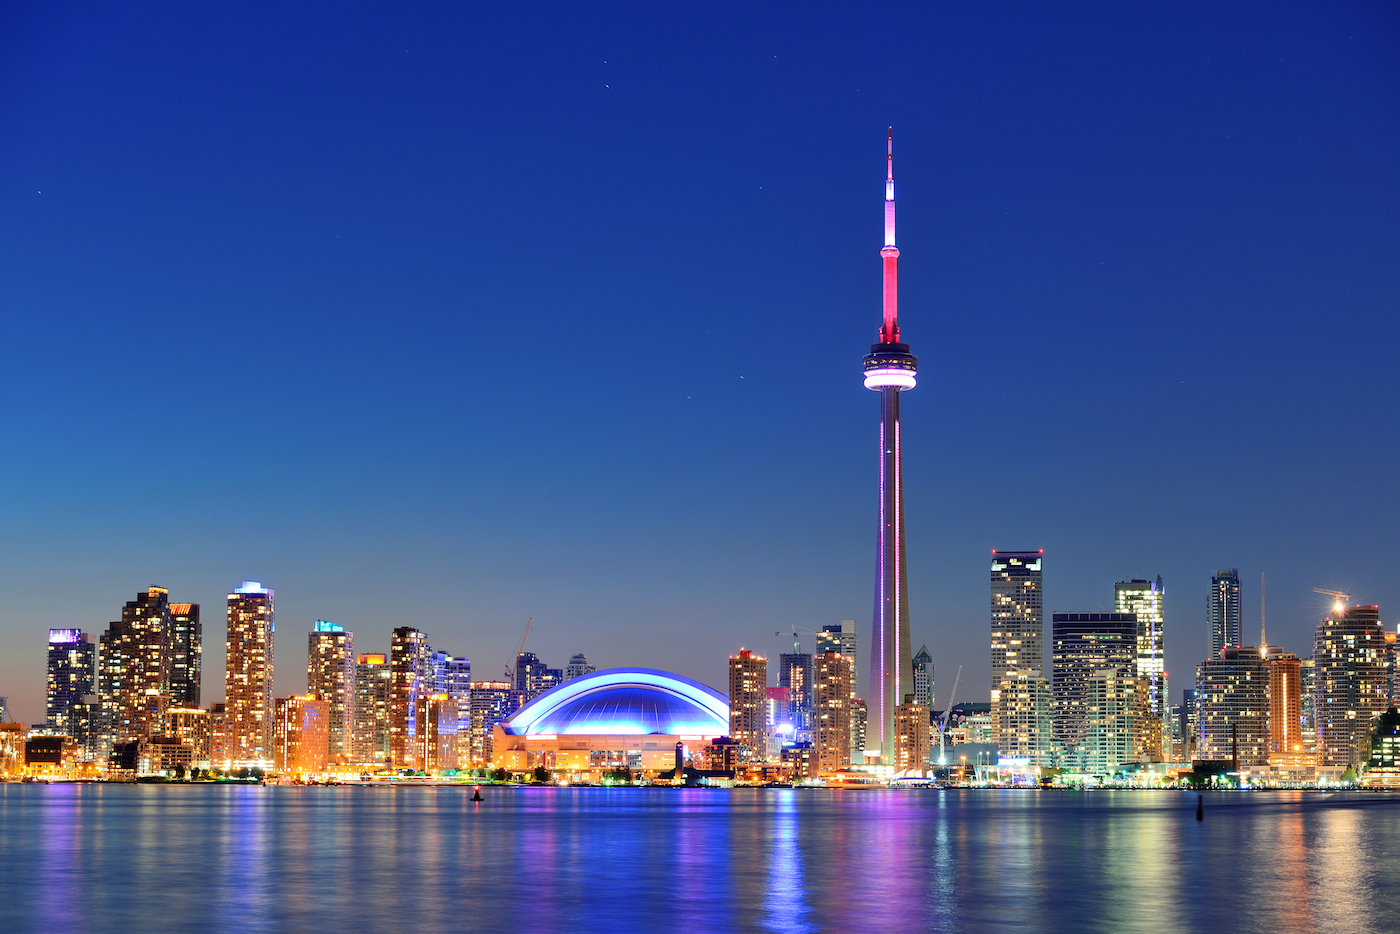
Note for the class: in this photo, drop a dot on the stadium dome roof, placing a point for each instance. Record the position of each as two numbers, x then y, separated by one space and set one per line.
624 701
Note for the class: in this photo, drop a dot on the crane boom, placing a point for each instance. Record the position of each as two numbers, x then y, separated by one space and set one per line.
943 725
510 665
1343 597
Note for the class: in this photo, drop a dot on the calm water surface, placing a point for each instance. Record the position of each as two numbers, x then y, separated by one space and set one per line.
211 858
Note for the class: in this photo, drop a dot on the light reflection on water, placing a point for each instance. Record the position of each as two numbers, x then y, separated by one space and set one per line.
209 858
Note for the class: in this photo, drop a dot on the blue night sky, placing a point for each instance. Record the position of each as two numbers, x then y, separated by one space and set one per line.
454 316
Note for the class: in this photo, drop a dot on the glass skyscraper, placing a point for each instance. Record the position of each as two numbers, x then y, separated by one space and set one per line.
1018 630
1223 610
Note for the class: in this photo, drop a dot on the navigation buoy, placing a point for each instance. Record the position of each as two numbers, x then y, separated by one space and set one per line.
476 793
1200 807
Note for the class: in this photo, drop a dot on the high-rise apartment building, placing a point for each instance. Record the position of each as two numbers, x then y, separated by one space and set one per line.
748 696
778 717
923 677
248 700
330 676
841 637
1307 687
133 675
1083 647
1022 715
1145 600
578 667
913 730
1234 696
373 689
1285 702
492 702
437 732
1348 651
301 735
832 717
1190 722
186 654
1110 735
1223 610
408 660
858 732
220 745
533 677
72 674
1018 631
795 674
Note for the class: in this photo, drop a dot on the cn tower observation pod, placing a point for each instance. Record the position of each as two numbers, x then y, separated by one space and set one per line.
623 702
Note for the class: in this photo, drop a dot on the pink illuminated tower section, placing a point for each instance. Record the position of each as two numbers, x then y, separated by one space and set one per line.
889 370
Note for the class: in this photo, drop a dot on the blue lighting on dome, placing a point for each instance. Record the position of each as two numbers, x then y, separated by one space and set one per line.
624 701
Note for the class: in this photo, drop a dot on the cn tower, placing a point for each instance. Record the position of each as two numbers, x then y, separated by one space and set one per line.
889 369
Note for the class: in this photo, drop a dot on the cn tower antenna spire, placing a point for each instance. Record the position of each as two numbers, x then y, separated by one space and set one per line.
889 331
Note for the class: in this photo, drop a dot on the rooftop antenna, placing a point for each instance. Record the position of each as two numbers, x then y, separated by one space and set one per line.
1263 640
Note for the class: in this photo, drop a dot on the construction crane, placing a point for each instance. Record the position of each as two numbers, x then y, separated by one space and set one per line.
796 643
1342 598
943 725
510 665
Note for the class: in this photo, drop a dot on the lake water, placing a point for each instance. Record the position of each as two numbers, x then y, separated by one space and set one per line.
213 858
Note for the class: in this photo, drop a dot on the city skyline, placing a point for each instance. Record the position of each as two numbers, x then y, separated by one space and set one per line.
1083 222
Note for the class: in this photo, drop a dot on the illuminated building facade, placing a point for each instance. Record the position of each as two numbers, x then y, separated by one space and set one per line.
330 676
248 673
578 667
841 637
923 677
491 703
1285 702
437 733
1022 715
220 743
913 735
795 674
858 715
1234 696
1145 600
1110 734
533 677
1307 686
748 696
625 715
1083 647
778 717
889 369
72 674
301 735
134 667
191 726
1352 689
1223 610
1383 767
1018 627
186 654
832 727
369 735
408 662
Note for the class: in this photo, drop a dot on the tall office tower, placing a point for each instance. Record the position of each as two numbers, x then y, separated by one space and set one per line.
912 729
923 677
1082 646
408 660
778 718
186 654
248 672
374 681
1190 721
1307 687
330 676
1111 726
301 735
889 369
492 702
72 673
1176 719
1223 610
1285 702
841 637
4 710
832 732
220 747
1145 599
1348 650
454 679
1022 714
1018 628
578 667
748 696
133 675
191 726
795 674
1234 691
533 677
858 714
